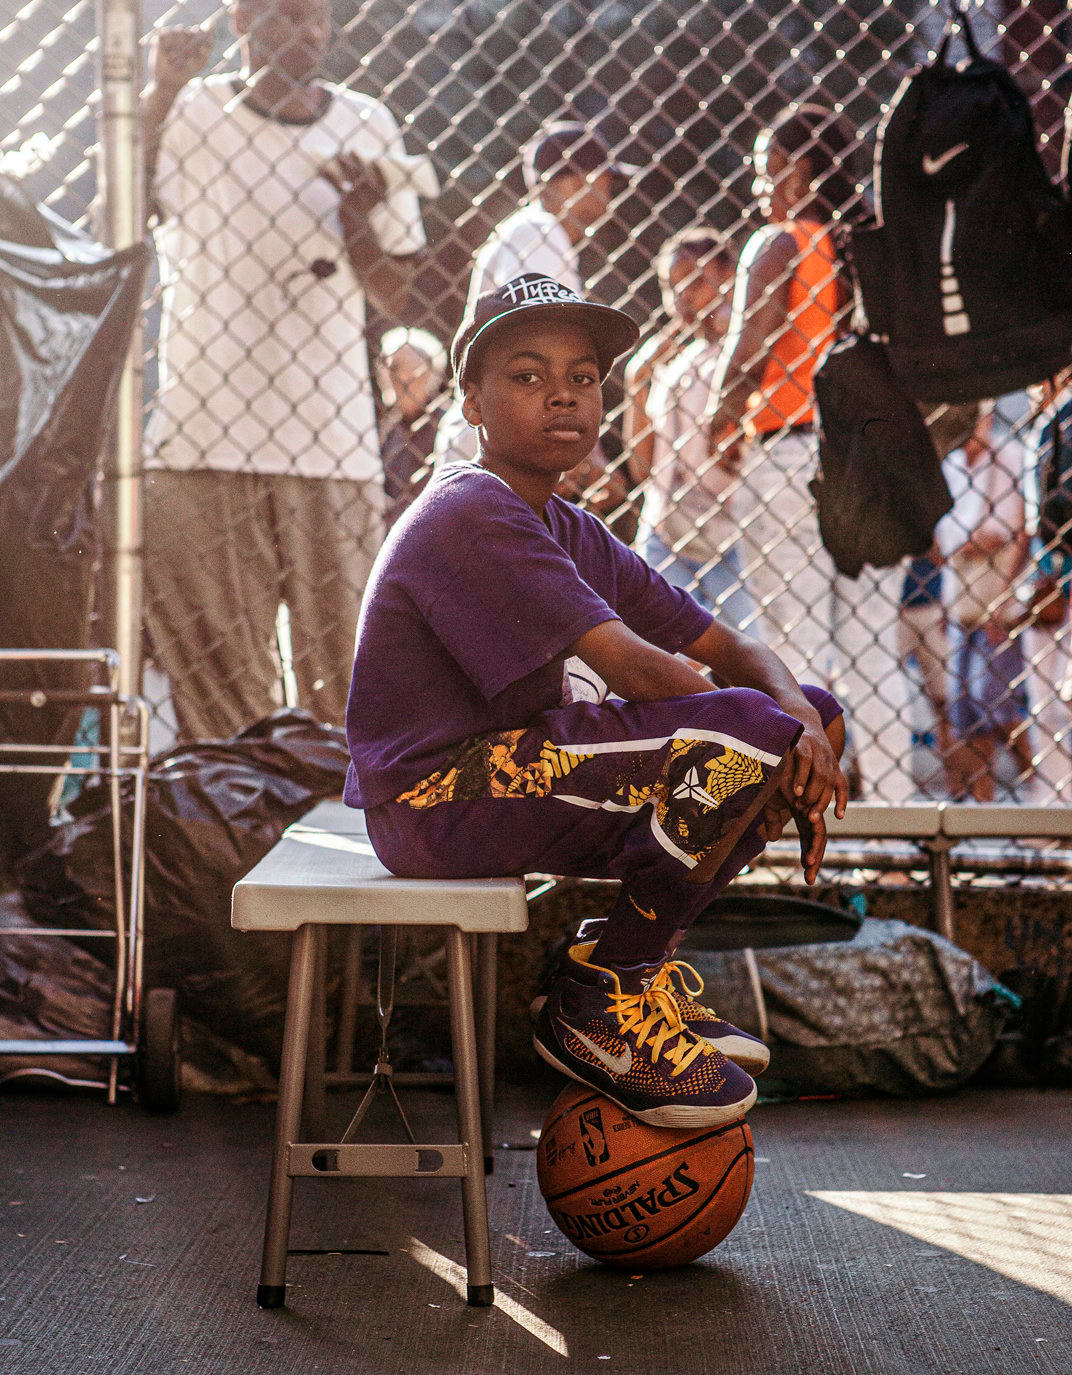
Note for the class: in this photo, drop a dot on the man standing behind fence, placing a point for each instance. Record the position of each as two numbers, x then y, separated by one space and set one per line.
282 203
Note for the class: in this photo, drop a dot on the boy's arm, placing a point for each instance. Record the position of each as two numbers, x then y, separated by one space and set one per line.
816 778
760 308
640 672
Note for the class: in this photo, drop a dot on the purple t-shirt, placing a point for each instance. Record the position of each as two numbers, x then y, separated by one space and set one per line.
468 615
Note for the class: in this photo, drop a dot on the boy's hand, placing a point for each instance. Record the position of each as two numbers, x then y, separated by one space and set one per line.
177 55
812 844
813 781
776 817
815 778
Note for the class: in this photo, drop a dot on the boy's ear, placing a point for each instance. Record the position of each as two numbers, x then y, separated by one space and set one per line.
471 406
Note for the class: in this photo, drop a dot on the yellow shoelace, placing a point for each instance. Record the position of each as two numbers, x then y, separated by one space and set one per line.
664 980
653 1016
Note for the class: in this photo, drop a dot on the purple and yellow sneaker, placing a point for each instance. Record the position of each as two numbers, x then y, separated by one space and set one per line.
633 1046
741 1047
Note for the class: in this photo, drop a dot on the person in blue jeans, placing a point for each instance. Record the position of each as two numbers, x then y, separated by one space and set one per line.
470 759
688 530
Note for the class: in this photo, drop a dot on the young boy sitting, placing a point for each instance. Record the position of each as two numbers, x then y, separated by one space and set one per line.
471 760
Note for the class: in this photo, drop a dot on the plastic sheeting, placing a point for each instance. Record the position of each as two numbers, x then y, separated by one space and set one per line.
67 307
896 1009
214 809
50 989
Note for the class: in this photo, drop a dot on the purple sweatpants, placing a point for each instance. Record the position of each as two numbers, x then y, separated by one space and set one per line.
637 791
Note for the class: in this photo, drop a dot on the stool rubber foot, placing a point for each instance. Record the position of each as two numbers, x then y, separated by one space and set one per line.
489 1164
271 1295
480 1295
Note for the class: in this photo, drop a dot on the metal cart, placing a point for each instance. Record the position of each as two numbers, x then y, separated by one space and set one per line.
144 1049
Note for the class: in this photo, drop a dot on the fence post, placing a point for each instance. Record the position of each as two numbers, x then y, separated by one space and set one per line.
122 196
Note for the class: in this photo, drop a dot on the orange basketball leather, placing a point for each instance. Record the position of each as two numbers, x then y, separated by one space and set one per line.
640 1197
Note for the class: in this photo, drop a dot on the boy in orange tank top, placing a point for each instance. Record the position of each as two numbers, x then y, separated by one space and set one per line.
789 304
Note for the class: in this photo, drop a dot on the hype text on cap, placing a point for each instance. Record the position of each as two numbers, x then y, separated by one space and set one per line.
532 296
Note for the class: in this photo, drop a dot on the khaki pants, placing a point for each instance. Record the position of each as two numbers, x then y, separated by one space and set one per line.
222 550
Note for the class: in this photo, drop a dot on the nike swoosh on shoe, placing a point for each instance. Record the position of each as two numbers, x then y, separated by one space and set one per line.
617 1064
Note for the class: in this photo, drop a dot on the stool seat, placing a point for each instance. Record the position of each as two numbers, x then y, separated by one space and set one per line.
324 870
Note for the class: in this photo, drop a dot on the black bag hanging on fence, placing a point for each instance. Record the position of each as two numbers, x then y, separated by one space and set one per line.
879 490
966 268
67 308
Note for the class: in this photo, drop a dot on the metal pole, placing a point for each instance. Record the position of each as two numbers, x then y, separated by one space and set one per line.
122 194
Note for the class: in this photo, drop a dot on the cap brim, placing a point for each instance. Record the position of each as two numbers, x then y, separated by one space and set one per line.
612 331
624 171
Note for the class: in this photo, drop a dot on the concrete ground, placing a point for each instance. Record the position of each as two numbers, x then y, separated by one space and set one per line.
894 1237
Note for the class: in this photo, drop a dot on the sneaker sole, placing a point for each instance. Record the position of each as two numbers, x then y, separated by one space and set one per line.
670 1114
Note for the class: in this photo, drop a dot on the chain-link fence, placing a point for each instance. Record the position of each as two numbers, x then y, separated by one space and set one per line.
297 320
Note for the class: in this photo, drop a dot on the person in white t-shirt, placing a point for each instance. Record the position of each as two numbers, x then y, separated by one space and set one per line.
282 203
689 526
985 544
570 176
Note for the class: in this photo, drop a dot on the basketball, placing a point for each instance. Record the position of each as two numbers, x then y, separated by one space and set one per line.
640 1197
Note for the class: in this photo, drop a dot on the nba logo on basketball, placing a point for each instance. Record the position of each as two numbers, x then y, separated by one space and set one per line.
634 1195
593 1137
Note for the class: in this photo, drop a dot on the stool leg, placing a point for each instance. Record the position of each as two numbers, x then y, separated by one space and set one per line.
271 1292
481 1293
314 1102
351 979
487 952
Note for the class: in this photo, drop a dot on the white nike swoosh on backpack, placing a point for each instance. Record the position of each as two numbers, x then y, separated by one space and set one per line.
934 165
617 1064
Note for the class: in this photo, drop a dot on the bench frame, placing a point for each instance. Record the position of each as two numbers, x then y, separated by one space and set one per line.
294 1158
323 872
937 827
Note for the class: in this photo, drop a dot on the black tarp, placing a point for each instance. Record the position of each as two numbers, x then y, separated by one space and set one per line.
896 1009
213 809
67 308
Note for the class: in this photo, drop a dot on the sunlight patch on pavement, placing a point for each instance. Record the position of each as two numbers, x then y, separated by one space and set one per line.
1025 1237
454 1275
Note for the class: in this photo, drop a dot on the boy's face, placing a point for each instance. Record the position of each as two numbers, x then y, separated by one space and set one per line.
701 295
536 400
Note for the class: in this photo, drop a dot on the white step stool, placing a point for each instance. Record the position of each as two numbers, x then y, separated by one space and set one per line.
324 872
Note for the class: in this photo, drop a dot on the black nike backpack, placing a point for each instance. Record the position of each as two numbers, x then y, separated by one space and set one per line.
966 267
880 490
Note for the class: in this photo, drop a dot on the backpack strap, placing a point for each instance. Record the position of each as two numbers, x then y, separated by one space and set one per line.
957 22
